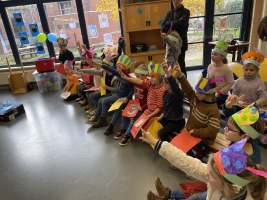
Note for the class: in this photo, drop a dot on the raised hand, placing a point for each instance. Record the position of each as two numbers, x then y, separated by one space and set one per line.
163 35
84 47
232 100
178 70
79 44
165 67
147 137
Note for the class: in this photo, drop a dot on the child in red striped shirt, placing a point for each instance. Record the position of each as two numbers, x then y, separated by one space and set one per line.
155 91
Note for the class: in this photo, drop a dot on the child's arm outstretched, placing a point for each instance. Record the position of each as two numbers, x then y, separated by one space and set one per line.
89 71
229 109
88 53
174 86
178 158
170 42
133 80
187 88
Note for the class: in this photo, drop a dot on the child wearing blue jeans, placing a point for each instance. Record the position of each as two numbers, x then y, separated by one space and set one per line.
125 92
141 72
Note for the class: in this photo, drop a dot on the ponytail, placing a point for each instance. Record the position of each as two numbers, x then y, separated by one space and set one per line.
225 61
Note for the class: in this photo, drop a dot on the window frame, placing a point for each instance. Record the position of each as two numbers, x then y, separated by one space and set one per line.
64 9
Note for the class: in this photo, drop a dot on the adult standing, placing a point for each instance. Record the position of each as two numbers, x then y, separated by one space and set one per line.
179 16
262 30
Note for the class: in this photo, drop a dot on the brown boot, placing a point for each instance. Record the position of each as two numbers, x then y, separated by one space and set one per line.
84 102
102 121
88 111
87 107
109 129
92 120
162 191
152 196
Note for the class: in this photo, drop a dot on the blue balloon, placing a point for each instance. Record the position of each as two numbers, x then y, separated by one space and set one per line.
52 37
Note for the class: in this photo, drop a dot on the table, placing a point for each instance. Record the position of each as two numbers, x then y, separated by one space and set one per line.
240 45
29 50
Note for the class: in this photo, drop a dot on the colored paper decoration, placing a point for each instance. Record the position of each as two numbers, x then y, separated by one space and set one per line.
102 90
155 9
116 105
160 22
140 11
34 29
18 19
154 129
40 47
24 40
133 21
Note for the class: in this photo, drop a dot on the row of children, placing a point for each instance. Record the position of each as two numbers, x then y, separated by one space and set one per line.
165 102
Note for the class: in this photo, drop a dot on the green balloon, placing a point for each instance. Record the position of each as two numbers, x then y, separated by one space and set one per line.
41 37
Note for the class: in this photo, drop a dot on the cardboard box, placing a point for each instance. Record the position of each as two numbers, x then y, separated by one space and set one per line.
12 114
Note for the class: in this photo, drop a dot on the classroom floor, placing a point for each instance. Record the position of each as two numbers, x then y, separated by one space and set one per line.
50 153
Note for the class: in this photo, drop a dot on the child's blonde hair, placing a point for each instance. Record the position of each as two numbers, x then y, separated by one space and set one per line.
141 65
176 34
259 126
67 67
250 64
257 183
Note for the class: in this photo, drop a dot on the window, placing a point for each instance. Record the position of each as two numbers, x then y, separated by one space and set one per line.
45 11
53 27
59 27
77 25
26 38
65 8
66 26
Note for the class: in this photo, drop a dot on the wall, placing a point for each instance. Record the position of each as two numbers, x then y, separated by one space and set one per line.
259 11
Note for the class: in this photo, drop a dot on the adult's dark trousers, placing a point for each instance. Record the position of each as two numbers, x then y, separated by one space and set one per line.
181 61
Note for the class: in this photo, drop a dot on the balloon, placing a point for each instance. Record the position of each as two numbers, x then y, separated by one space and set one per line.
41 37
52 37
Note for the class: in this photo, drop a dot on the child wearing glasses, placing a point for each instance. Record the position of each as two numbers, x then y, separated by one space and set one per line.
234 133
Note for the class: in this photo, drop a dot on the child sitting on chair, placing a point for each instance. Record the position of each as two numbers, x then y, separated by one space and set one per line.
72 81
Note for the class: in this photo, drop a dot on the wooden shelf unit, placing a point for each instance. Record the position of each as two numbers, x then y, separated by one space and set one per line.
142 24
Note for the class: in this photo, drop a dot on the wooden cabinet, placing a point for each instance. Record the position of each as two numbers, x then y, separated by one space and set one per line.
142 24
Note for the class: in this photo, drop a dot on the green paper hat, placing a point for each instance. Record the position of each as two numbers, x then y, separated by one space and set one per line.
222 46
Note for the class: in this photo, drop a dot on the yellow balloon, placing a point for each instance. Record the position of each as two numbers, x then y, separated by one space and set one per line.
41 37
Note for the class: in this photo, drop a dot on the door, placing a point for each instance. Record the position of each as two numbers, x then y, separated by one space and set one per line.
157 12
136 17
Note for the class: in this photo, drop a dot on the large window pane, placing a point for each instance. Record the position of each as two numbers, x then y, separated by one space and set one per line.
194 55
196 30
5 47
103 28
230 24
59 15
26 45
228 6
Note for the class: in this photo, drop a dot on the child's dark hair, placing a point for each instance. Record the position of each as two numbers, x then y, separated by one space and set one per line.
82 65
262 28
259 126
257 183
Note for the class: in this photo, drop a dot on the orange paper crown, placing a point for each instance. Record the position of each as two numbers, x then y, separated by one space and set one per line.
255 58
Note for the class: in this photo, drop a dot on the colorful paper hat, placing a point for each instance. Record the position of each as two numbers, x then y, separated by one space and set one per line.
155 69
68 63
108 60
84 54
221 46
232 160
204 84
255 58
125 61
245 117
62 41
173 73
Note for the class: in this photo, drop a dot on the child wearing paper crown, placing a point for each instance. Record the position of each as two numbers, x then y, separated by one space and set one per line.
237 128
64 53
229 173
141 72
219 69
171 117
72 81
125 92
95 98
155 91
250 84
173 46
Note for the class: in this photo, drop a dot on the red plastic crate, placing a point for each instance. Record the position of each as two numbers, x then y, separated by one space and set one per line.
45 64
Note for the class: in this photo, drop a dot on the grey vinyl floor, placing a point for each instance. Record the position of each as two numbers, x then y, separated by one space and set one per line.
50 153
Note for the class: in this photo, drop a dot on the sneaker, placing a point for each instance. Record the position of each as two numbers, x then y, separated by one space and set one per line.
92 120
119 134
87 107
125 140
88 111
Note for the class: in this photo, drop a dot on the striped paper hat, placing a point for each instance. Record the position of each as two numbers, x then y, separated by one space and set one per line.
173 73
155 69
108 60
125 61
255 58
62 41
